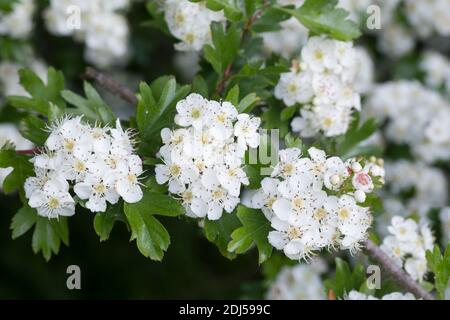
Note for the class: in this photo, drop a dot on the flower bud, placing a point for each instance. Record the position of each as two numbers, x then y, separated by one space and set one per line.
360 196
335 180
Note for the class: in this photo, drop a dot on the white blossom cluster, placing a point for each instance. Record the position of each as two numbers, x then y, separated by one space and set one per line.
416 116
429 16
291 36
99 162
355 295
429 185
190 23
312 202
97 23
10 134
437 70
18 23
323 83
203 160
407 246
300 282
9 76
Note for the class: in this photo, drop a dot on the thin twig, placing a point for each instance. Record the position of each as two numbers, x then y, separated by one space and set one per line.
28 152
247 27
396 272
111 85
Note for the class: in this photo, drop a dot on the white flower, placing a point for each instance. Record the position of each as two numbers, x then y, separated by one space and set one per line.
404 230
192 111
408 244
19 22
287 163
102 28
53 199
203 161
300 282
355 295
214 196
304 217
127 185
294 87
246 130
335 174
265 197
97 190
324 80
99 162
190 22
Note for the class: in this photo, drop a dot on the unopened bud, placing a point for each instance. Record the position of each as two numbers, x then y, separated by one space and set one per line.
335 180
360 196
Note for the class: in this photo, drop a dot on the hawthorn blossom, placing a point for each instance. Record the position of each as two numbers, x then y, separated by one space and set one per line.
98 162
310 203
202 159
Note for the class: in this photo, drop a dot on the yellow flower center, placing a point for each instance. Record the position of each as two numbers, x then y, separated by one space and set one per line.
270 201
195 113
297 202
175 170
344 213
132 178
79 166
69 144
288 168
318 54
292 88
217 194
320 214
293 233
100 188
327 122
53 203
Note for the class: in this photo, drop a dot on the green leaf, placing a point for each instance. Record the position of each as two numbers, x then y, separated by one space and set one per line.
22 169
255 229
288 112
48 235
151 237
33 129
104 221
93 108
41 95
293 142
356 135
225 47
158 20
248 103
440 265
200 86
345 279
155 203
156 109
323 17
270 20
219 231
23 221
7 5
232 11
233 95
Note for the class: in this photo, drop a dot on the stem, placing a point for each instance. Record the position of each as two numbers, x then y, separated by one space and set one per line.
247 27
110 85
396 272
28 152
